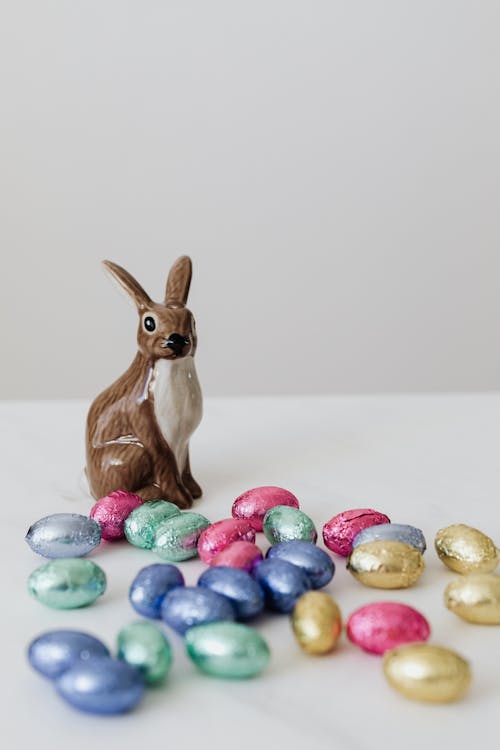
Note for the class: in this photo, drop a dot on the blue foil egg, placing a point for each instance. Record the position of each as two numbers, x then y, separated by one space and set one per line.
101 686
64 535
54 652
394 532
193 605
238 586
281 582
151 585
314 561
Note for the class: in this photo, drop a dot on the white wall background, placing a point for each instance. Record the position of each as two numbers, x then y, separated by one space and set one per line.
332 167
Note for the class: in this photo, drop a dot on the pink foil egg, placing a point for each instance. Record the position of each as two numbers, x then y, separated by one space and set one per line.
253 504
339 531
380 626
112 510
219 535
244 555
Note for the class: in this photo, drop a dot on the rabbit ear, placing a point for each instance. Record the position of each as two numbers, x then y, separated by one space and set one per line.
129 284
178 282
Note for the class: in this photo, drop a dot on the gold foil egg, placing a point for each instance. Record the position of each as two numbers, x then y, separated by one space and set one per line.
316 622
465 549
386 564
475 598
427 673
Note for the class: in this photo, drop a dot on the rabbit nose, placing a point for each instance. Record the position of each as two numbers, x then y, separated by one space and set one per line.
176 342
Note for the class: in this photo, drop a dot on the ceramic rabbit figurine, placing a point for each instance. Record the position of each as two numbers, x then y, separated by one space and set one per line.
138 429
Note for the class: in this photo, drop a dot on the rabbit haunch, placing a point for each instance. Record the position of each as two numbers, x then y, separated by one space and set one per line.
177 403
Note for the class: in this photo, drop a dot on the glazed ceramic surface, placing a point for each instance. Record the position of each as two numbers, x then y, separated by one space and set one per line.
138 429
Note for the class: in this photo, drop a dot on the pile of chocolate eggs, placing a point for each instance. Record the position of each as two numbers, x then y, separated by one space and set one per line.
87 677
240 583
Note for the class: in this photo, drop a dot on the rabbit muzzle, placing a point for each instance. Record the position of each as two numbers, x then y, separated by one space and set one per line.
178 344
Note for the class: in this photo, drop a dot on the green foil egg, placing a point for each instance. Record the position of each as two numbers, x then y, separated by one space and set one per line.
177 538
67 583
143 522
143 646
286 524
227 649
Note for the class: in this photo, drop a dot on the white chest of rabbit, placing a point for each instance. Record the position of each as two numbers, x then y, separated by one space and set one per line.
177 403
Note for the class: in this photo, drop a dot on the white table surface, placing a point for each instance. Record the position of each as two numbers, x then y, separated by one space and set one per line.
424 460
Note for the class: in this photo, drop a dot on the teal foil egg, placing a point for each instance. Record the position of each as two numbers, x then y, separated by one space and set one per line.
67 583
286 524
143 646
143 522
177 538
227 649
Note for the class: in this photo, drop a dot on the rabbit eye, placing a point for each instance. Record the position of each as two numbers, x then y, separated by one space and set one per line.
149 324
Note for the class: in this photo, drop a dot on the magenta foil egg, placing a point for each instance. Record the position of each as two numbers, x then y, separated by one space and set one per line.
339 531
243 555
219 535
380 626
112 510
253 504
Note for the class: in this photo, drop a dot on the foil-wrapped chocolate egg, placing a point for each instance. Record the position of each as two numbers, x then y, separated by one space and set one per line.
177 538
64 535
316 622
227 649
221 534
312 560
397 532
186 606
101 686
54 652
381 626
466 550
150 587
285 524
340 531
142 524
67 583
282 583
253 504
427 673
240 554
475 598
238 586
386 565
112 510
144 647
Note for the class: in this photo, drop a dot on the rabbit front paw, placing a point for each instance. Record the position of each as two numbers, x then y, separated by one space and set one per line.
191 485
178 495
150 492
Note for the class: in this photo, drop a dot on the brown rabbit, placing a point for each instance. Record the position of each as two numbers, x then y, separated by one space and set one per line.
138 429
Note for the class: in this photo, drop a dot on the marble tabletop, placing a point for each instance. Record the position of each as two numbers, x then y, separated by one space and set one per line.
424 460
